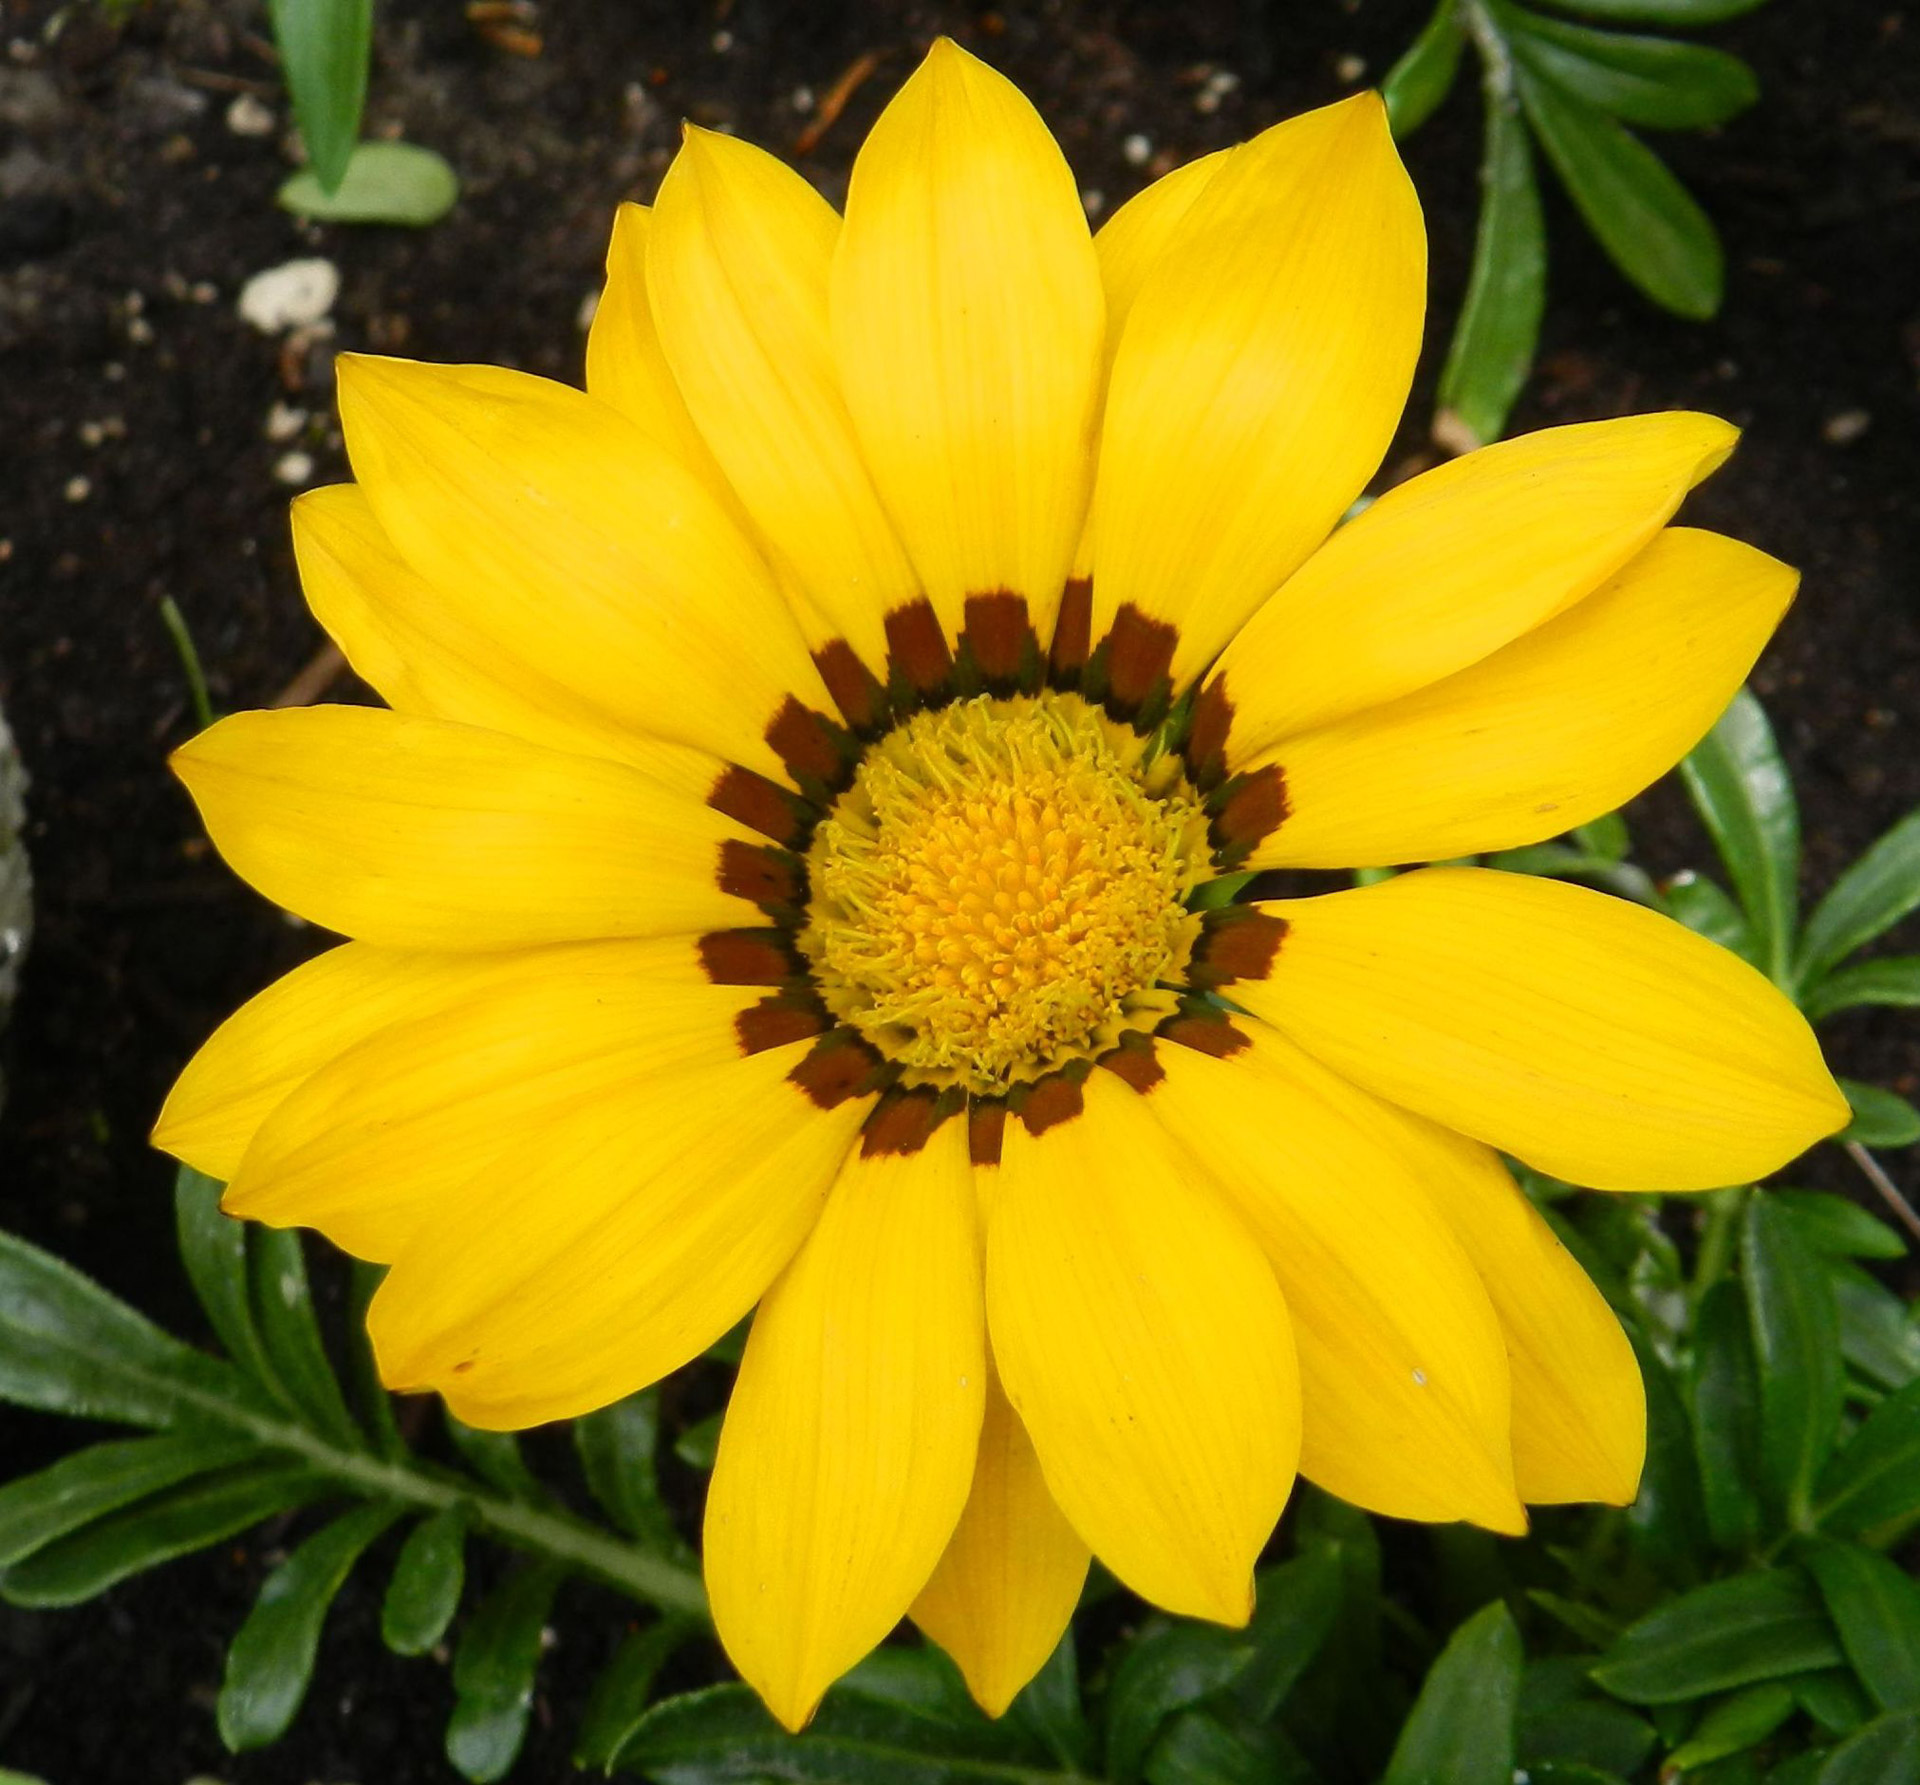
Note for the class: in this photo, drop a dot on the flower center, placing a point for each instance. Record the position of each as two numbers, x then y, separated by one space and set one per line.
1001 890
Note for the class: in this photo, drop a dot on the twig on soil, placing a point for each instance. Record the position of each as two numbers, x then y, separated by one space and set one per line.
320 673
834 101
1889 1190
216 82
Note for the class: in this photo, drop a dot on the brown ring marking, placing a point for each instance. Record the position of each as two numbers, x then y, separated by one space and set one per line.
1236 942
1245 810
838 1066
1049 1101
762 805
1072 633
856 690
1133 1062
785 1017
999 645
919 664
770 878
1130 671
750 957
819 755
1205 1030
905 1119
986 1129
1206 745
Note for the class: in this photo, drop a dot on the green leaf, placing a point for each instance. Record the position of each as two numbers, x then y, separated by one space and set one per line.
1669 1516
1875 1480
623 1693
384 183
1049 1707
1758 1626
67 1346
1219 1748
1656 81
700 1442
1295 1607
494 1457
1872 896
1733 1726
1837 1226
376 1405
1725 1394
616 1448
176 1522
35 1510
324 49
1739 784
1416 84
1649 224
1705 907
1587 1622
1796 1347
1833 1699
1167 1668
290 1334
1461 1728
424 1591
1875 1607
271 1660
1881 1118
1560 1721
213 1247
493 1668
1893 981
1888 1749
1659 12
1877 1333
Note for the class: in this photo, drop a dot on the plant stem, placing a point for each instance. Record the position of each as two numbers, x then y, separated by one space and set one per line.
1716 1239
1889 1190
176 624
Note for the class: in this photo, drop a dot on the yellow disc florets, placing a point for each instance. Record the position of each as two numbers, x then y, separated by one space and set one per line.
1002 890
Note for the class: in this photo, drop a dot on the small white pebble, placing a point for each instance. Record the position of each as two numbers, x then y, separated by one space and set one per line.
802 100
1349 69
1093 201
284 420
294 467
1137 149
203 291
91 433
113 371
139 331
1846 427
246 116
134 303
722 42
78 489
291 295
589 309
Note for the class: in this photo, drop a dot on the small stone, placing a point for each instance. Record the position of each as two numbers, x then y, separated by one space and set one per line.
802 100
722 42
1137 150
284 420
1349 69
139 331
246 116
295 294
78 489
203 291
589 309
1846 427
1093 201
294 467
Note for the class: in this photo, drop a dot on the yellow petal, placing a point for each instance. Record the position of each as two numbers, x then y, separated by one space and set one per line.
285 1034
1592 1038
737 269
1403 1369
1261 375
1010 1577
580 547
1456 563
417 833
967 323
1579 1408
613 1245
1132 242
1562 725
1144 1344
850 1438
394 1124
423 652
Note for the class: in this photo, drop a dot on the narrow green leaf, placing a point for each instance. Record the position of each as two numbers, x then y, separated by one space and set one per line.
1886 1750
1725 1394
213 1247
1833 1699
37 1509
400 183
1659 82
290 1334
700 1442
1796 1346
1591 1625
369 1392
173 1523
616 1447
1219 1748
67 1346
1872 896
1837 1226
1874 1482
494 1457
493 1669
1734 1725
424 1591
1893 982
325 46
1416 84
1668 1519
1875 1607
1659 12
1759 1626
1877 1334
1295 1606
1048 1707
1499 327
1210 895
623 1693
270 1661
1162 1671
1607 837
1461 1728
1560 1721
1881 1118
1705 907
1739 784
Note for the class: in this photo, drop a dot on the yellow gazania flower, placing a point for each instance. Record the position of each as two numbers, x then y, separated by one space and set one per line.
774 883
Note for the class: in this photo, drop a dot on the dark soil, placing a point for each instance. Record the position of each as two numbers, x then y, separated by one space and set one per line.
135 464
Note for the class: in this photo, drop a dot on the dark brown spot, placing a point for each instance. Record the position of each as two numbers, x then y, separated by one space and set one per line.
769 878
919 660
999 642
1246 809
1205 1031
856 690
776 1021
749 957
838 1066
1206 746
904 1119
1133 1063
1072 632
816 751
986 1129
1133 664
762 805
1238 942
1049 1101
